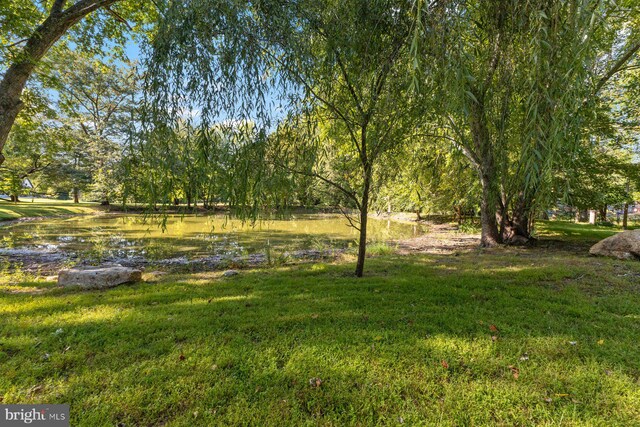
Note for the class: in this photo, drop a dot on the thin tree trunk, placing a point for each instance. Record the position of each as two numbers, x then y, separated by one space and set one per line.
364 212
44 36
625 216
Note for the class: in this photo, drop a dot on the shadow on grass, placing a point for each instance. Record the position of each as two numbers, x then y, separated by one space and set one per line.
424 339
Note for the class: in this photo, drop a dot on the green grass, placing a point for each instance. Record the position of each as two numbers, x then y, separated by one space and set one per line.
571 231
200 349
43 208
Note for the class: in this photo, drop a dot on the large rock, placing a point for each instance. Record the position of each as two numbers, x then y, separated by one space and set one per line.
625 245
98 277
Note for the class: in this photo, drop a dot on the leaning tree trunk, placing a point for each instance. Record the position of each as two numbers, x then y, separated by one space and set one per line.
44 36
484 163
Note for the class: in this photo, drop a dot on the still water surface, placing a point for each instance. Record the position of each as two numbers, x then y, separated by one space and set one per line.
194 236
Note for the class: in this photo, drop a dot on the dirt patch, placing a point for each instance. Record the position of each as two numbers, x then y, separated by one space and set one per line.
442 239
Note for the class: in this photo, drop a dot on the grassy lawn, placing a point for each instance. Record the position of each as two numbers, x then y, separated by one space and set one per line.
505 337
571 231
42 207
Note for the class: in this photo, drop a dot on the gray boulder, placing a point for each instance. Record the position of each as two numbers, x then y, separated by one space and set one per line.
230 273
98 277
625 245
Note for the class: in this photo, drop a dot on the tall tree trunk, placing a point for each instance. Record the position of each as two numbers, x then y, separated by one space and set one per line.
625 216
488 220
482 158
364 215
44 36
76 195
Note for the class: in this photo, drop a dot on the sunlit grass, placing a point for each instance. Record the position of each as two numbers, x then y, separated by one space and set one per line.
513 337
576 231
43 208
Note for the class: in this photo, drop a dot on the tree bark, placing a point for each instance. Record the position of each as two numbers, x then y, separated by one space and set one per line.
484 162
518 225
458 210
364 215
489 234
603 213
18 73
76 195
625 216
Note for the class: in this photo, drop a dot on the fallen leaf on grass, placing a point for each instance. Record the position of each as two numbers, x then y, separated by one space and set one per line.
315 382
314 316
182 357
494 338
524 357
444 364
600 342
493 328
515 371
548 399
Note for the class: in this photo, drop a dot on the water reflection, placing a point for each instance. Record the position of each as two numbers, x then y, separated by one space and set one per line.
125 236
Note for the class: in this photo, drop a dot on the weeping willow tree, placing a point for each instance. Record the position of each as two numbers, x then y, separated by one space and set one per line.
340 68
517 80
208 102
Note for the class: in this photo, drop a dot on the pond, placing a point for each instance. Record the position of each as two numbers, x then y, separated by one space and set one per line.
117 237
